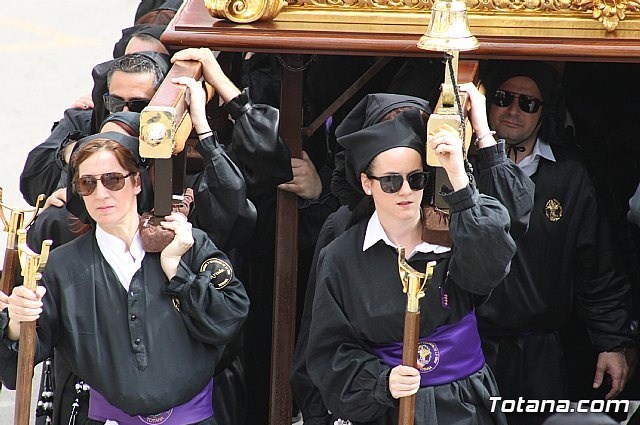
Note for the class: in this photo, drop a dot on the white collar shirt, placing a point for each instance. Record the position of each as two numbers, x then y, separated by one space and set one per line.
375 232
529 164
124 263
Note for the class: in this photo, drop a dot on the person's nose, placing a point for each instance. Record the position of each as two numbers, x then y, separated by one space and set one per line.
405 190
101 191
514 107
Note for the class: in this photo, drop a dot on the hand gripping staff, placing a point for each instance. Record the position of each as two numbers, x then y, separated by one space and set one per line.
32 266
413 284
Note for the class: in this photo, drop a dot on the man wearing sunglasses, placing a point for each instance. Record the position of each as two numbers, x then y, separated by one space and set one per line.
562 263
125 84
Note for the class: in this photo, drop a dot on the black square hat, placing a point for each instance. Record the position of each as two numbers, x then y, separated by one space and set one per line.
407 129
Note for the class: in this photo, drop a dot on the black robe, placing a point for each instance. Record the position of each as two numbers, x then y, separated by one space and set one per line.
146 350
496 175
359 303
563 262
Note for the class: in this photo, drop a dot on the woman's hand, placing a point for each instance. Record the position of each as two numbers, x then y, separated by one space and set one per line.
182 241
197 102
404 381
211 70
25 305
448 146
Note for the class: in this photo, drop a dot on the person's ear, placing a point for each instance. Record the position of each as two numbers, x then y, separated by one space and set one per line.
137 184
366 183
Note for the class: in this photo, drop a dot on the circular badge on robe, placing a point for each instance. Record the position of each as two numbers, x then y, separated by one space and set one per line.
428 356
156 419
553 210
221 272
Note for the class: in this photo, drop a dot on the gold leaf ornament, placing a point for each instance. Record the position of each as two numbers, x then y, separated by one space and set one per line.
244 11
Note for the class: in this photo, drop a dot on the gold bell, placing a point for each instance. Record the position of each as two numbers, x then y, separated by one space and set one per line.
448 29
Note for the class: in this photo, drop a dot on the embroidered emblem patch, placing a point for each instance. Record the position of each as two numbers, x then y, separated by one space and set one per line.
553 210
428 356
156 419
221 272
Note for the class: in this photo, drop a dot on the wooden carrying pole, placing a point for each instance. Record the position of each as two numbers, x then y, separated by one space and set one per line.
32 267
413 284
165 126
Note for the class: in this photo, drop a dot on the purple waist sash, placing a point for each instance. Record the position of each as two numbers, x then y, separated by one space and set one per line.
197 409
451 353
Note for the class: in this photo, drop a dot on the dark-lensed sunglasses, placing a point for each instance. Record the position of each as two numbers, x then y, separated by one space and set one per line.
86 185
117 104
392 183
528 104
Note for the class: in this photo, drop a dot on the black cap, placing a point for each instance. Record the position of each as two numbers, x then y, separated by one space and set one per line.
154 31
407 129
369 111
147 6
373 107
128 118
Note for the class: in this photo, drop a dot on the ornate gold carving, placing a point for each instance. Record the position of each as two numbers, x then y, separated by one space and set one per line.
244 11
367 4
607 12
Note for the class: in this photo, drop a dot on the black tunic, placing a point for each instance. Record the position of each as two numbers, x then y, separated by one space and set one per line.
139 350
564 260
496 175
359 303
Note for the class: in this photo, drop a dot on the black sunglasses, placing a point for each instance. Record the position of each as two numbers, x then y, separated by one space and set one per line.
86 185
528 104
117 104
393 182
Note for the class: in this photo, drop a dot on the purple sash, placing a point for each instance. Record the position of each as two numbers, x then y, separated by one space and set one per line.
198 409
452 352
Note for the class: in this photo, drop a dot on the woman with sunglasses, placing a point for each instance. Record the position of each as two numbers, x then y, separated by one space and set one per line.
143 330
357 323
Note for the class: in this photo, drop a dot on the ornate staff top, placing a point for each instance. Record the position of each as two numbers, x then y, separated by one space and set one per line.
16 219
32 263
413 281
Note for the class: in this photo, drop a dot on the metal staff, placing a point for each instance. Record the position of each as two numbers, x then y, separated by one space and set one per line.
413 284
11 262
32 267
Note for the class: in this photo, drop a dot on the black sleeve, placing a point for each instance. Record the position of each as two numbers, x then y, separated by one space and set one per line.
220 206
603 294
44 169
482 246
502 179
256 147
213 302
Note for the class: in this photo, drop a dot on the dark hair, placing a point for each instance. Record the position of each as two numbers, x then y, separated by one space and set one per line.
124 156
138 64
157 17
395 112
